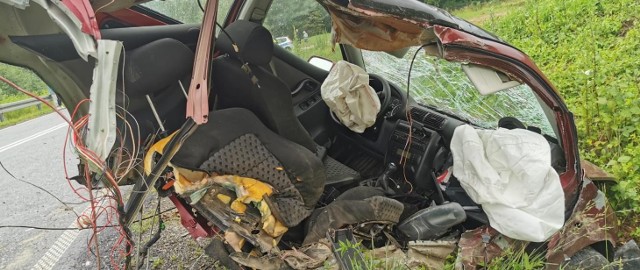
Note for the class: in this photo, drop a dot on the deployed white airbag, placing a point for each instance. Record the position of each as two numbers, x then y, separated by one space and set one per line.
509 173
348 94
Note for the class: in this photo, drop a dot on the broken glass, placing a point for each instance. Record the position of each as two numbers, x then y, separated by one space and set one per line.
444 86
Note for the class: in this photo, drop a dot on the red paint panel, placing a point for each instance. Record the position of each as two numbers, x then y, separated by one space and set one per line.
130 17
196 226
84 12
198 99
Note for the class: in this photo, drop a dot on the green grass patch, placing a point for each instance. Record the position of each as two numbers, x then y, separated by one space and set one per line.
481 12
145 226
29 81
18 116
318 45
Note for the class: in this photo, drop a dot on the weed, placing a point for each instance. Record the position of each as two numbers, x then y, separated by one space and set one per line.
157 263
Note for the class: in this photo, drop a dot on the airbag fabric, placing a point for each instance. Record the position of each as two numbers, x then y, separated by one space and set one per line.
348 94
509 173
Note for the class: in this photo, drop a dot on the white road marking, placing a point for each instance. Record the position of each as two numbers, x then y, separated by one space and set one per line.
55 252
32 137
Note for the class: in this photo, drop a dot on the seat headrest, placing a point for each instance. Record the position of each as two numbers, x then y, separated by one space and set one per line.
255 43
155 66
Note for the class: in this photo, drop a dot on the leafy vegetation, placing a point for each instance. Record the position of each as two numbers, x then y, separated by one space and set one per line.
590 51
319 45
452 4
479 12
22 77
27 80
291 17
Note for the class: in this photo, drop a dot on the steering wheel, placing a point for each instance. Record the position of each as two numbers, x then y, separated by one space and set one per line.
383 90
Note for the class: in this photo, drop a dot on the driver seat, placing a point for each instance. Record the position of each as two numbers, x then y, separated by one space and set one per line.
242 80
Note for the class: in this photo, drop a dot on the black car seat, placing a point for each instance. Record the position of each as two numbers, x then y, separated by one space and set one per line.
153 70
241 79
234 141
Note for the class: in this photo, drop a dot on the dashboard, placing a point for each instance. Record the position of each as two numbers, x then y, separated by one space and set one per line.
412 136
418 142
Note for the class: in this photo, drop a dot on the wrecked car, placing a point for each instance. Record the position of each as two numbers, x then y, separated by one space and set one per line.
429 135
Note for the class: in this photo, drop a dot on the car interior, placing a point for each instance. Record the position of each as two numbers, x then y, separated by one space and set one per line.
266 99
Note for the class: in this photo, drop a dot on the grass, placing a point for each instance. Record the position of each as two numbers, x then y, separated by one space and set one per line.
18 116
145 226
318 45
482 12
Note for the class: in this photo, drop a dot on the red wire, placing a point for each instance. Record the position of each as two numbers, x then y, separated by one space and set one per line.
111 211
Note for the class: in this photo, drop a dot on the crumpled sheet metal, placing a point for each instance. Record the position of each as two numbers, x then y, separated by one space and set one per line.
313 256
267 262
419 255
310 257
481 245
429 254
593 220
595 173
375 31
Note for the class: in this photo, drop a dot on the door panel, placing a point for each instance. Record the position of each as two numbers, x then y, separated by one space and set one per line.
304 81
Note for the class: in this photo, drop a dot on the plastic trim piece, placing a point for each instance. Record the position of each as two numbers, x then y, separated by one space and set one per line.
101 133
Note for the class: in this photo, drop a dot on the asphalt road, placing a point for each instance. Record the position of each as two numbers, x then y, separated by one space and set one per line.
32 151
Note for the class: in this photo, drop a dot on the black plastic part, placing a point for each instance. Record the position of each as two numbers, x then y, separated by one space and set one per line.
141 187
218 251
58 47
425 177
588 258
383 181
628 256
346 252
156 236
433 222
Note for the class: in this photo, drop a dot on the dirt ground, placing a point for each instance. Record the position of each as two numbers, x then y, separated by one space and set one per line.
175 249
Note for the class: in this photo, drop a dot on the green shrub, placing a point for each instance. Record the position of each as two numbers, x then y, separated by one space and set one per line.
590 50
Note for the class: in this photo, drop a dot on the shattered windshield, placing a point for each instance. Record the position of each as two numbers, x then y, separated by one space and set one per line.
444 86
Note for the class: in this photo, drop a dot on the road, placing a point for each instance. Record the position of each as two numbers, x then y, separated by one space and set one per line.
32 151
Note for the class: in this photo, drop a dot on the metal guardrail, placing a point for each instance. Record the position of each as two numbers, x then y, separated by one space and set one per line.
9 107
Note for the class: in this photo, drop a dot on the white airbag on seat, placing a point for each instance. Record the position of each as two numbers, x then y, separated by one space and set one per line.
509 173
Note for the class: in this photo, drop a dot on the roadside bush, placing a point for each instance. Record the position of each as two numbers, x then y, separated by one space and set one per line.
22 77
452 4
590 49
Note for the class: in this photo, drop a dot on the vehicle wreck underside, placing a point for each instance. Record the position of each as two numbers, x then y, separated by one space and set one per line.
248 175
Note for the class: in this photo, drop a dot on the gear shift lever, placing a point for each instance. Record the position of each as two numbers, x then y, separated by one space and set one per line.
384 178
